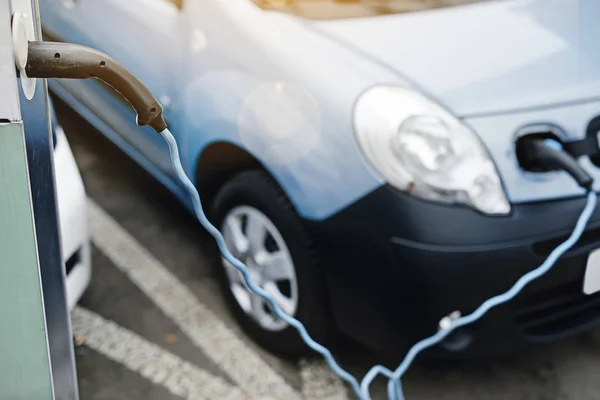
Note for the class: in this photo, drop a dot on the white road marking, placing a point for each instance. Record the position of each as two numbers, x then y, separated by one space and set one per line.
320 383
149 360
197 321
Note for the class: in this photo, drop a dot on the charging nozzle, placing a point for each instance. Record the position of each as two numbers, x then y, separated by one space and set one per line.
70 61
546 154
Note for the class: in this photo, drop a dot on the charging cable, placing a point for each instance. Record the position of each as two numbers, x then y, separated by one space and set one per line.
545 152
63 60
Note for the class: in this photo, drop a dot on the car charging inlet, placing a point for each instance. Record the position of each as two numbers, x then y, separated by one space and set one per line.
543 153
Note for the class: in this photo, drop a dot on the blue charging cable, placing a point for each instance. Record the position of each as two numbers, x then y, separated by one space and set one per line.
395 391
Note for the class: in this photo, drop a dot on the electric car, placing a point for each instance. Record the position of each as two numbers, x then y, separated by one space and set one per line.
361 157
72 216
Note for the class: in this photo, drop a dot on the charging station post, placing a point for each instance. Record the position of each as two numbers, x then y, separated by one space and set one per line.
37 357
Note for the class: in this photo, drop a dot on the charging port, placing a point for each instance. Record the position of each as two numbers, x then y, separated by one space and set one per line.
528 160
543 152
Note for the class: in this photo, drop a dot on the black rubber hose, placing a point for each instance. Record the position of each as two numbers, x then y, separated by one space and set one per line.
70 61
538 151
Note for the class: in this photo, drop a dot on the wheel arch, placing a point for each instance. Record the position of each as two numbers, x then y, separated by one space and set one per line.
220 161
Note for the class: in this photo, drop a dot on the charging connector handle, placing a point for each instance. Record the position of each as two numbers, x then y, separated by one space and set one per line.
551 155
71 61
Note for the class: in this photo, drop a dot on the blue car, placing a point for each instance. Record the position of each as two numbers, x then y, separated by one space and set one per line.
361 157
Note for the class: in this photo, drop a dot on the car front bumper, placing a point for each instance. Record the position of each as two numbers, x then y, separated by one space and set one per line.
396 265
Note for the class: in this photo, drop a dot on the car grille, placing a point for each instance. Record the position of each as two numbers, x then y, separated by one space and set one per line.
555 311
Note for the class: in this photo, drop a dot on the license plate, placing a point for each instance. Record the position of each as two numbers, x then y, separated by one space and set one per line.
591 281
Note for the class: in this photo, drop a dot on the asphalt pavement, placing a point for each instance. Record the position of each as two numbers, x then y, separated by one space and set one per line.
153 324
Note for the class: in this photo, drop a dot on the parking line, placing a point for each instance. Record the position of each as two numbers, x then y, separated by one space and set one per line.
161 367
197 321
319 382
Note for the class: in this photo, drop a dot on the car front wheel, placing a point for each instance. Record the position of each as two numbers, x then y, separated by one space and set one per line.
263 231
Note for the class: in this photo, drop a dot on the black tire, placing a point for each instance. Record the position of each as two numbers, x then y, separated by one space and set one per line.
255 188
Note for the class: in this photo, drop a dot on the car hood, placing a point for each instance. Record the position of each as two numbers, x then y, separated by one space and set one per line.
489 57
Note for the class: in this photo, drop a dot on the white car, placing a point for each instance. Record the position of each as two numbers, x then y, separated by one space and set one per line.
72 209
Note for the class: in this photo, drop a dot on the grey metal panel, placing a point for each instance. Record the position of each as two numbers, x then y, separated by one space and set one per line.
25 371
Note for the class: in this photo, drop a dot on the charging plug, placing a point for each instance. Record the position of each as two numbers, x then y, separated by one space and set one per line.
70 61
539 154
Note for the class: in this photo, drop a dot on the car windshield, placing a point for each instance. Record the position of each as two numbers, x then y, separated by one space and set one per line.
336 9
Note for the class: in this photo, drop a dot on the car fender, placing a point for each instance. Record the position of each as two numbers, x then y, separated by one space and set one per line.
303 139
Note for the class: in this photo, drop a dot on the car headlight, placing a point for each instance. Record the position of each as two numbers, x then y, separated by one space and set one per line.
420 148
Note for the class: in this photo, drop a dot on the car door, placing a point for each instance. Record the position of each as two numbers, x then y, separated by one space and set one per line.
143 35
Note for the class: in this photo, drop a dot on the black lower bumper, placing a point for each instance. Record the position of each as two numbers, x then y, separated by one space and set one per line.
396 265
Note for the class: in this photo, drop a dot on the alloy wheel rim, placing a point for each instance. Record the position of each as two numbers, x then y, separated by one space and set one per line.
253 239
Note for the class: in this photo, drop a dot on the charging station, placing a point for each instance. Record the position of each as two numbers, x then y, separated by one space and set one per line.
37 359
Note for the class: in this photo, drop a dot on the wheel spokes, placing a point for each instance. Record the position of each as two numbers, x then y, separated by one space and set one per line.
284 302
274 266
258 308
237 242
256 232
243 297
